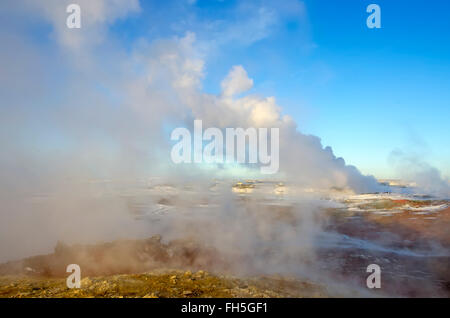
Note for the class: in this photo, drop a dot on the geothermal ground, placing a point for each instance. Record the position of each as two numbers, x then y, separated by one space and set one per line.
263 240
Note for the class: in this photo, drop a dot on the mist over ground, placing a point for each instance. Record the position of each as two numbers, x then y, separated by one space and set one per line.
85 126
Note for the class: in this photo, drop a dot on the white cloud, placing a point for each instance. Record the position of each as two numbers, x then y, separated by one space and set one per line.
236 82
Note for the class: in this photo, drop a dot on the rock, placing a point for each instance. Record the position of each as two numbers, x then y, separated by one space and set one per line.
155 239
187 273
85 282
200 274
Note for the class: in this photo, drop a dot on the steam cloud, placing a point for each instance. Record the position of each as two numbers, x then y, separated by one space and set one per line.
82 108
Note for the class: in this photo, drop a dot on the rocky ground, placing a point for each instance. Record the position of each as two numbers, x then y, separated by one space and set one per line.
112 270
185 268
159 284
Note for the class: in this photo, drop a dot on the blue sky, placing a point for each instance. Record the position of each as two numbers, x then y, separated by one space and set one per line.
364 92
389 87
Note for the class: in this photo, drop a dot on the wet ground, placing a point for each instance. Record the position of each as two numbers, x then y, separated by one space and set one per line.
412 251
